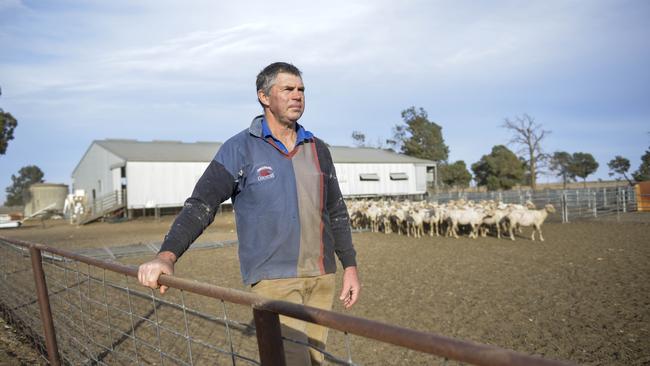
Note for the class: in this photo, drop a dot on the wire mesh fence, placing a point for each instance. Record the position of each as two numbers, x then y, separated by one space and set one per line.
18 303
102 317
570 204
99 315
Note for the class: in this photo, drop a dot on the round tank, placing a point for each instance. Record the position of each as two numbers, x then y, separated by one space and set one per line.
42 195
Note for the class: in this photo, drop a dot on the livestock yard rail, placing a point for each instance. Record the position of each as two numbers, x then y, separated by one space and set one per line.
571 204
79 310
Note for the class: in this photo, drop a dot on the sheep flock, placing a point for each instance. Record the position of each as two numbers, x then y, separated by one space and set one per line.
477 218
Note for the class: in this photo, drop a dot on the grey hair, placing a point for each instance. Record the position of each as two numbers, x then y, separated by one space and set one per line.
266 77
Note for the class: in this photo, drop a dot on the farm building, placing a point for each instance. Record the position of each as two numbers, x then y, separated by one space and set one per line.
160 174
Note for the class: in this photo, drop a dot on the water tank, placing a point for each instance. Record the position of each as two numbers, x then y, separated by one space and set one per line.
42 195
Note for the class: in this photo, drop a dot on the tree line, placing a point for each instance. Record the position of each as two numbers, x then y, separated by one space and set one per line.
502 168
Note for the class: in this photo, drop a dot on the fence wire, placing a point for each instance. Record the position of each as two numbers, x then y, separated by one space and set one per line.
18 302
104 318
101 316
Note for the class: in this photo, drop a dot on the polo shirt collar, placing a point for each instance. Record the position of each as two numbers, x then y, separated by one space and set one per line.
259 128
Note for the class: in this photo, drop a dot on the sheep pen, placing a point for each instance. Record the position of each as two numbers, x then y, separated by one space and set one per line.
581 295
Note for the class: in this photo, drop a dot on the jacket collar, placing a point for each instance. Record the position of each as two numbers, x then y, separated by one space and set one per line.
256 126
257 129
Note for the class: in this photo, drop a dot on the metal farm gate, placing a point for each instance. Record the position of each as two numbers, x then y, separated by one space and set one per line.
83 311
570 204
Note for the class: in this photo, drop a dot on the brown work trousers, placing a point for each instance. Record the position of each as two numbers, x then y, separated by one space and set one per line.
317 292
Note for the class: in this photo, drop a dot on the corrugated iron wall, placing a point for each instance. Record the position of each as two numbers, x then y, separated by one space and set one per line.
643 196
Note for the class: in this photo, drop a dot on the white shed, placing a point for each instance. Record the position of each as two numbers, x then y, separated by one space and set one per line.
159 174
365 171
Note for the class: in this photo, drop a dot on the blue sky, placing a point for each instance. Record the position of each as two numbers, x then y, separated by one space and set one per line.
75 71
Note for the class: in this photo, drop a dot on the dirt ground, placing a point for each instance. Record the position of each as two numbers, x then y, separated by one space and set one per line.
15 350
582 295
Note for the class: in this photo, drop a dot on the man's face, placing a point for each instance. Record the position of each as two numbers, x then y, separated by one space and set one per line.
286 101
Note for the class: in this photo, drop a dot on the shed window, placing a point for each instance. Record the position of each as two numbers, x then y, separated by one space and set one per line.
369 176
399 176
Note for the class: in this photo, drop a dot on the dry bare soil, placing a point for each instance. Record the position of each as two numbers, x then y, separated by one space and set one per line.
15 350
582 295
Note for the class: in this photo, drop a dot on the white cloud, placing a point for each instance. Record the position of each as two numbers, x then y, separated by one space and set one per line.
198 51
469 64
357 35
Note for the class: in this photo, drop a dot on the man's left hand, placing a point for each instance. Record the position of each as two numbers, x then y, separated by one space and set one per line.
351 287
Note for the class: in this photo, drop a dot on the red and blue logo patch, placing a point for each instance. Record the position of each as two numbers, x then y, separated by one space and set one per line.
265 173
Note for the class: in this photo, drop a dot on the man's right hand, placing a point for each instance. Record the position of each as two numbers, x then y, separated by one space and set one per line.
149 272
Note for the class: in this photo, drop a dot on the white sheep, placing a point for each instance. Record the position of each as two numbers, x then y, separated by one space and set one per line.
533 218
372 214
398 216
415 220
467 216
434 217
495 218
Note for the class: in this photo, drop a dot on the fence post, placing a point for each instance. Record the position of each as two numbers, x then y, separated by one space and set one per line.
624 196
124 203
604 197
633 198
595 203
562 206
44 306
269 338
565 211
618 204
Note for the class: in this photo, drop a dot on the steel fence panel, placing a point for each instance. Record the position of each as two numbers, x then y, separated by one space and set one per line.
570 204
102 317
18 302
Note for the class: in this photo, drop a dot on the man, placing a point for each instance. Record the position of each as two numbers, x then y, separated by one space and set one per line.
291 217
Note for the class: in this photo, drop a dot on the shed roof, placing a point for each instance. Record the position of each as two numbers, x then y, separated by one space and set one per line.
346 154
177 151
161 150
